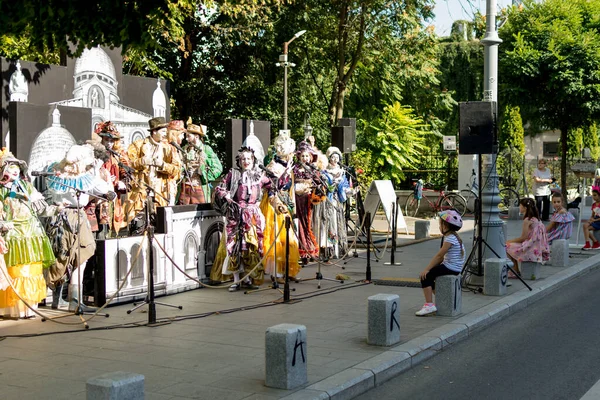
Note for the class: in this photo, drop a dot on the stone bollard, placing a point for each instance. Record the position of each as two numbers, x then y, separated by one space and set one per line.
575 212
505 231
383 316
286 356
513 213
116 386
596 234
529 270
495 276
559 253
422 229
448 295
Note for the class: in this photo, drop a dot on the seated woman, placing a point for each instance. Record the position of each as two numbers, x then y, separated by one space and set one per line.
561 222
532 245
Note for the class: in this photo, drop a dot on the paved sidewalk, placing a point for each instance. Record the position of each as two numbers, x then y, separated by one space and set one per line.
213 350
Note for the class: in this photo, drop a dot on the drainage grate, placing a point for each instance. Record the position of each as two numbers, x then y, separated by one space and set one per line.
406 282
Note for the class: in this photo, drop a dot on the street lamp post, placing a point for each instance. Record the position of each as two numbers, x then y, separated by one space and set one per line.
283 62
307 128
492 226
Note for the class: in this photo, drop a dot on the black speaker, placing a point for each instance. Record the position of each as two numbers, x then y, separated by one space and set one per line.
477 127
344 138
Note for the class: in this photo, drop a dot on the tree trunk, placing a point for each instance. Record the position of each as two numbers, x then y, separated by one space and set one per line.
563 161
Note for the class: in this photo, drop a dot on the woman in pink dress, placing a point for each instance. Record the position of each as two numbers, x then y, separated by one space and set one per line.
532 245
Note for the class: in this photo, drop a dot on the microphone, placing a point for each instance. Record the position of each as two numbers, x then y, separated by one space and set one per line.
111 151
266 171
307 165
43 173
110 196
178 147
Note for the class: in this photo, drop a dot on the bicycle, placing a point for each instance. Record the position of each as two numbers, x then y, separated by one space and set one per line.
450 201
471 193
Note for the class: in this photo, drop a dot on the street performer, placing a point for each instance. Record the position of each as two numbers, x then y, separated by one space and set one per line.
154 167
76 181
201 166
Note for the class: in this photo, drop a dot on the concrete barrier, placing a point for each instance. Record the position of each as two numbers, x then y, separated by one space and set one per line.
513 213
529 270
117 385
448 295
383 319
495 276
559 253
422 229
286 355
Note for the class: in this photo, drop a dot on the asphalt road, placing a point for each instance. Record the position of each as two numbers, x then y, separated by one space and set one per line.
551 350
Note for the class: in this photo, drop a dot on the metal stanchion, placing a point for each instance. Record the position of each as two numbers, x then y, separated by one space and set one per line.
394 234
368 218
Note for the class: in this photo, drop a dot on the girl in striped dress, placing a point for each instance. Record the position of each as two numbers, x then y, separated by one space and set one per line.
561 222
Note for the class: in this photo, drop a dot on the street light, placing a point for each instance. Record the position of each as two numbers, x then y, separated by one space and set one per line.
283 61
307 128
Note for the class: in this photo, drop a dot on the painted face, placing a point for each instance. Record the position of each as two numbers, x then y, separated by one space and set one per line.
192 138
159 134
334 159
305 157
109 143
557 203
13 172
246 161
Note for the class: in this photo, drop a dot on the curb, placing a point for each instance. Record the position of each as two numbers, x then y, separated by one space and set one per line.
376 370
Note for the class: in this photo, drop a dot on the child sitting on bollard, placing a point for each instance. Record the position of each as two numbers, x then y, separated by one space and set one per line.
592 224
449 259
561 222
532 245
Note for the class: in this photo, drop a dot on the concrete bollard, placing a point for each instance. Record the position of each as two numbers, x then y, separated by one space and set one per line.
529 270
513 213
505 231
286 356
383 319
448 295
575 212
495 276
559 253
422 229
116 386
596 234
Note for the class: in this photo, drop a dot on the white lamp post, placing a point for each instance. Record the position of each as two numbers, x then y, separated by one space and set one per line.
283 62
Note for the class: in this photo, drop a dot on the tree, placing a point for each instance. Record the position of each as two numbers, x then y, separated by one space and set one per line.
511 130
550 65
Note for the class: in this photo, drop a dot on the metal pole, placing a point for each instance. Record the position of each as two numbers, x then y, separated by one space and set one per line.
286 287
491 224
368 218
285 94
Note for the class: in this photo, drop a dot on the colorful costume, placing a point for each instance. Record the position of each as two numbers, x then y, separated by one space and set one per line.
154 166
30 251
201 165
245 222
333 237
307 181
563 225
534 248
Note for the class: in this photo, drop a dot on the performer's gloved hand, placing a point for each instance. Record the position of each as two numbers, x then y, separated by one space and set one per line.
158 162
6 226
121 185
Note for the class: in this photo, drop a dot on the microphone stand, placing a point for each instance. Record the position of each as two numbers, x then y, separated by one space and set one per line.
80 310
150 265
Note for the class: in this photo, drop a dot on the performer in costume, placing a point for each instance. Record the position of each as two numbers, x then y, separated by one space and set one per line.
70 231
239 194
333 235
154 165
117 165
29 251
308 186
175 135
276 207
202 166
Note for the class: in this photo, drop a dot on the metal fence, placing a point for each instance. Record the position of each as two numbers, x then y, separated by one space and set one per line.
439 170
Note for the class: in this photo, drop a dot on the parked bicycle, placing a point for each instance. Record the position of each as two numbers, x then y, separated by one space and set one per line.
445 201
471 193
508 196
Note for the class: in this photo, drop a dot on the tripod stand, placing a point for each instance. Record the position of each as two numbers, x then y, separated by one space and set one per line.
149 300
479 241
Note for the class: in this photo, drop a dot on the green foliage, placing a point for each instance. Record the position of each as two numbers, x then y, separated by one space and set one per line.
511 133
575 143
396 140
591 140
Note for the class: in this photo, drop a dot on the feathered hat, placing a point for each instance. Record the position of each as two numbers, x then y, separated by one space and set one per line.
305 147
107 129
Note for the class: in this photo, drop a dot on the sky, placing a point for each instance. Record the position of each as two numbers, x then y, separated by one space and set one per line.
447 11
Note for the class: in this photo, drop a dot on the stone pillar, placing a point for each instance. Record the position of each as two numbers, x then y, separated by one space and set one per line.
286 356
448 295
116 386
422 229
383 319
559 253
495 276
529 270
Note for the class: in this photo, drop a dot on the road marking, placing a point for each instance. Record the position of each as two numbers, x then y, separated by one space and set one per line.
593 393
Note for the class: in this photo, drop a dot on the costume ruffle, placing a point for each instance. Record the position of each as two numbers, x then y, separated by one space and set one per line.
27 250
83 182
29 282
562 218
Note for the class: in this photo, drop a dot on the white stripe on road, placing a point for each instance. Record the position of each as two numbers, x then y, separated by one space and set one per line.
593 393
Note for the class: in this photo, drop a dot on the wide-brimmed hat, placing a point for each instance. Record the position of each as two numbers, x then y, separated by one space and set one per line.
176 125
195 129
108 129
304 146
333 150
7 158
157 123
